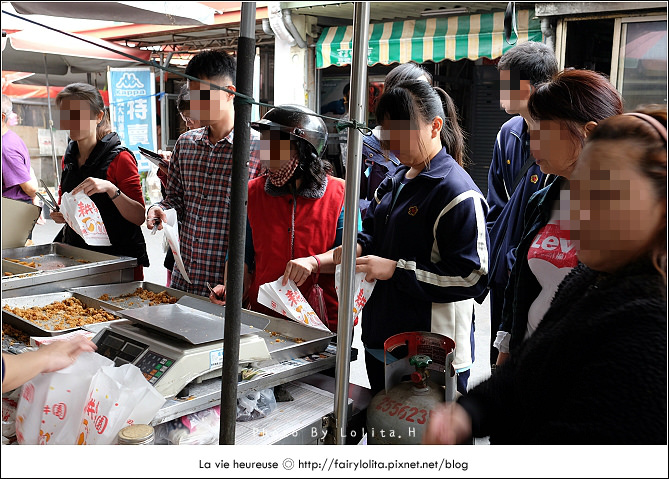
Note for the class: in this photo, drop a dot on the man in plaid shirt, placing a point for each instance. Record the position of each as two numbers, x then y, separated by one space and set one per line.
198 180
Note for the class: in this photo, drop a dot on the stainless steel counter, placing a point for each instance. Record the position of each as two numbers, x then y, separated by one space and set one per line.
59 266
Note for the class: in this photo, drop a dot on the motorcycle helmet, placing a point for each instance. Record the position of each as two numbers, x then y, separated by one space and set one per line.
298 121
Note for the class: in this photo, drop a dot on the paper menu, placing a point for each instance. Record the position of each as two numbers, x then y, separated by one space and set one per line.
171 229
289 301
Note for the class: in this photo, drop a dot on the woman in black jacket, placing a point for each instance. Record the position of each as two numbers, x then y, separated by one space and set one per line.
594 372
96 163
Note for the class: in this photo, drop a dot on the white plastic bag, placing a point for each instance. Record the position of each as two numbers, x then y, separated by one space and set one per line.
50 405
289 301
117 397
83 216
9 405
171 229
362 292
255 405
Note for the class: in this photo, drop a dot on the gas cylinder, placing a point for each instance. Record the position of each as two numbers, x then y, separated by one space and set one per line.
414 385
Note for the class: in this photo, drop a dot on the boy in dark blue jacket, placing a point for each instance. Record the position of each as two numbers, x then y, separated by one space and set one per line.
513 176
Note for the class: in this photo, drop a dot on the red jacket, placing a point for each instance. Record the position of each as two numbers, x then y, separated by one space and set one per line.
315 225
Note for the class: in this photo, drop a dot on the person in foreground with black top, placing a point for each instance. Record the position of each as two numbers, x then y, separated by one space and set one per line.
594 371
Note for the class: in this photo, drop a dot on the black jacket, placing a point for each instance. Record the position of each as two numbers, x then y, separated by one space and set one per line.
126 238
523 287
594 371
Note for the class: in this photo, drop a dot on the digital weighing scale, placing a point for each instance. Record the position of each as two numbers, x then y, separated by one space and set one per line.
174 344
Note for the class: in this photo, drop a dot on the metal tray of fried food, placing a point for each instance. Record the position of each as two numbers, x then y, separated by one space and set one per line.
286 339
126 296
12 268
13 340
54 256
50 326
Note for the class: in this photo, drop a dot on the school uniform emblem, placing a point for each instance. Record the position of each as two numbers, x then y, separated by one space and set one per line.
413 210
534 178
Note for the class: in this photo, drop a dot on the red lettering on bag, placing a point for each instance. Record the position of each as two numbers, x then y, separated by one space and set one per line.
59 410
28 392
101 423
91 408
84 209
360 301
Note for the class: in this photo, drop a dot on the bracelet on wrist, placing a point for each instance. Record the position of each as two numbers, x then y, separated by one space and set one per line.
318 262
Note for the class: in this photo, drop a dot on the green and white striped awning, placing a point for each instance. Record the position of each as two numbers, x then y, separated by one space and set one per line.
430 39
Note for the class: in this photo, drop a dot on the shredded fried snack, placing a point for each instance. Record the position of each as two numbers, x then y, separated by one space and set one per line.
153 298
15 334
67 314
24 263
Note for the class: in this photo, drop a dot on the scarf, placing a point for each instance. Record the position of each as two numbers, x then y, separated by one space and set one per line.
281 176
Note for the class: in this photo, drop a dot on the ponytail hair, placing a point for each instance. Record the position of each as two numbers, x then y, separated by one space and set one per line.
104 127
418 101
91 95
452 134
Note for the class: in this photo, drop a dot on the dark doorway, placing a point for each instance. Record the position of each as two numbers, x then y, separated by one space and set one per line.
589 45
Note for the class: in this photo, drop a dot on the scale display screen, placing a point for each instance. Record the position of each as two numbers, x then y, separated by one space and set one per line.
123 350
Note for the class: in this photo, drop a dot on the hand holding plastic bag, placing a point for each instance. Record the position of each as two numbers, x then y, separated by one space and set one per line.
289 301
83 216
88 402
50 405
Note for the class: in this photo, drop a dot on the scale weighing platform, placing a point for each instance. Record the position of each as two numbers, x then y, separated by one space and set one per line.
175 344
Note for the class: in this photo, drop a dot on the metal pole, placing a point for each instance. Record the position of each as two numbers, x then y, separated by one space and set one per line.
238 196
357 109
164 134
53 145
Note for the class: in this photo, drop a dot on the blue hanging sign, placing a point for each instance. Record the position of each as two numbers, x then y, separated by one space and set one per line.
132 107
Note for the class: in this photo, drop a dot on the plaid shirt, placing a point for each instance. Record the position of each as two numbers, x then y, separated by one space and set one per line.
198 188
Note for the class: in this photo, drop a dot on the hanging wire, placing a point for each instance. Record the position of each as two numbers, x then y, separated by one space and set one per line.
240 98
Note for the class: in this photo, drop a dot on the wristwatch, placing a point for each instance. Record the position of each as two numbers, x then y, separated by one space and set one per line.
117 194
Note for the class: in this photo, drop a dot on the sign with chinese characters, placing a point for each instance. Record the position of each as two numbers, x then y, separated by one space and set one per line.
132 106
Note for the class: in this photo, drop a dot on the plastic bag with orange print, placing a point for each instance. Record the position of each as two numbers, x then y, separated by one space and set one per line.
83 216
117 397
88 402
50 405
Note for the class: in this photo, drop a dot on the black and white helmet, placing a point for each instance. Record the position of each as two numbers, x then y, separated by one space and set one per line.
298 121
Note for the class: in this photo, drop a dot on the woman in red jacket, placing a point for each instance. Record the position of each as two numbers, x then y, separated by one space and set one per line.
97 164
295 211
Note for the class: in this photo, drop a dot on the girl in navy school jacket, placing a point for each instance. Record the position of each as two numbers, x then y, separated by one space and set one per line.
424 237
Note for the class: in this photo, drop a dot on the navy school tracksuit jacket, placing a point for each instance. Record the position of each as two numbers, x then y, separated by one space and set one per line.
507 206
436 231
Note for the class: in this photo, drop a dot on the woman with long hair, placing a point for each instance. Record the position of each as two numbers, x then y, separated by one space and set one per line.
424 237
97 164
